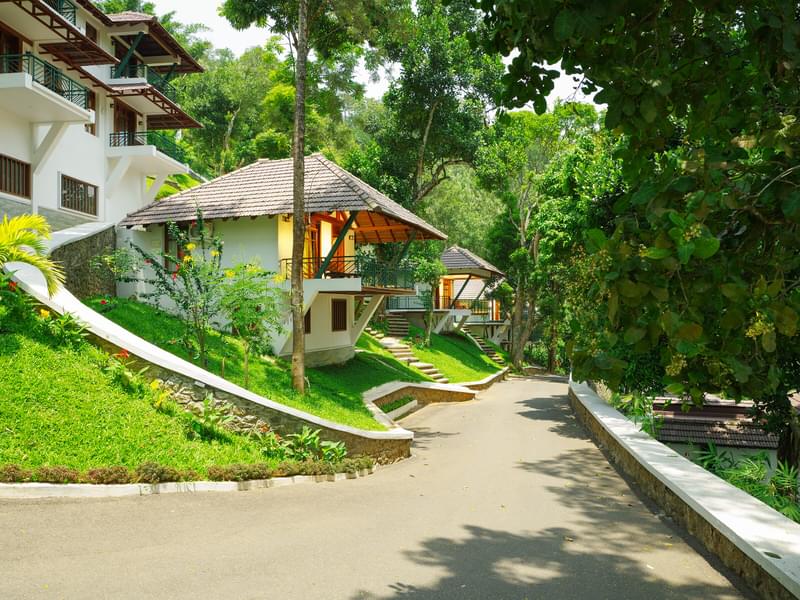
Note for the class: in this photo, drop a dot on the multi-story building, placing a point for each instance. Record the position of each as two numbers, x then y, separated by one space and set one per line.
87 110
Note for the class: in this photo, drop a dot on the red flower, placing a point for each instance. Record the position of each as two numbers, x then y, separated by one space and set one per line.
123 354
12 285
148 262
103 302
174 276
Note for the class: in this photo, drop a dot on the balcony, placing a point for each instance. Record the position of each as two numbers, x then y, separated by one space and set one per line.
146 74
39 92
480 310
150 152
372 272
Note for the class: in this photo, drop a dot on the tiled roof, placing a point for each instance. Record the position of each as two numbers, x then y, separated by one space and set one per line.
458 259
265 188
723 422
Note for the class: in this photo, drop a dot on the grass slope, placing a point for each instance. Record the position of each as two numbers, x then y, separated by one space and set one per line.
335 391
456 357
58 407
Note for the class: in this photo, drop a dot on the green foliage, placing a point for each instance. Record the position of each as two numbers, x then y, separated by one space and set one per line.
750 473
332 452
704 250
210 423
22 239
639 409
64 329
395 404
456 357
303 445
254 307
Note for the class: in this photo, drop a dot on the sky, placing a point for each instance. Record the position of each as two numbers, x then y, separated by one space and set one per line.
222 35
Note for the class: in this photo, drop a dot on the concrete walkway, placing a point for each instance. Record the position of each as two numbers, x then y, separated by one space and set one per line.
506 498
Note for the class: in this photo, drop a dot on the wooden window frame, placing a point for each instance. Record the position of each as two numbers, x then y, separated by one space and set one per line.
68 182
338 321
307 322
21 173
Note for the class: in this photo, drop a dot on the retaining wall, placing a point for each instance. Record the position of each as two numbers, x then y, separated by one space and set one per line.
756 542
76 258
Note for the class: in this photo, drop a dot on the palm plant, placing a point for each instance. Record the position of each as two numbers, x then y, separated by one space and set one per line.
22 239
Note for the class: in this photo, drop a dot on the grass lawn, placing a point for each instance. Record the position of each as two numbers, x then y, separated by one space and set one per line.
58 407
335 391
456 357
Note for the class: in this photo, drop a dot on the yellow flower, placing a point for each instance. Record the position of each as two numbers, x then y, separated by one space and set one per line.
278 279
44 313
187 258
190 246
214 253
154 385
230 274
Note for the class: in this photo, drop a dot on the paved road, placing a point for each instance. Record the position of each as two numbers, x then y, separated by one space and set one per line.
506 498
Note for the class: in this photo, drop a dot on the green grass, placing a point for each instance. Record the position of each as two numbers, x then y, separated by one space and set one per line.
456 357
58 407
395 404
335 392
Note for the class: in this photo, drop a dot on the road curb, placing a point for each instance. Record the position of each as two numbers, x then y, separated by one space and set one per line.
34 491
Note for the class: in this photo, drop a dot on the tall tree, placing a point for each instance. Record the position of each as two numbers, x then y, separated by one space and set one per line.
704 262
437 106
328 26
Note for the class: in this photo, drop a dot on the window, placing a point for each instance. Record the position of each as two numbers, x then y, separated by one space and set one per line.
15 177
91 32
338 315
307 322
91 104
78 196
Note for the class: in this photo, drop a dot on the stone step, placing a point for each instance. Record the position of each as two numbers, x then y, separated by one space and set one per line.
441 380
422 365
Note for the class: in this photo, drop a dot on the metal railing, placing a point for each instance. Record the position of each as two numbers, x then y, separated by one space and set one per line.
373 272
479 308
46 75
405 303
162 142
140 71
63 7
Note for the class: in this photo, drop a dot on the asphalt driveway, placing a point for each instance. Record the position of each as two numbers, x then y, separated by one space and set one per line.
505 498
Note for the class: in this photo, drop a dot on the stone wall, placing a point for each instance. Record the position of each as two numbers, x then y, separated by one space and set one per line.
249 414
485 384
425 395
762 582
76 257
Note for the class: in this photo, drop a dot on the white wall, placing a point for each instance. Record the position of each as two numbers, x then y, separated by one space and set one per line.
321 336
249 239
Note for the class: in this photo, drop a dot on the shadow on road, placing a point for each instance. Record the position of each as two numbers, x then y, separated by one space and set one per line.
497 565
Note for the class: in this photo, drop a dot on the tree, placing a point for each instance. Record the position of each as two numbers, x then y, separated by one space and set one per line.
437 106
429 271
517 151
703 263
22 239
254 307
330 25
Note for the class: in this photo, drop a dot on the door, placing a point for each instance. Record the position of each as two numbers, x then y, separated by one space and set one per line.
311 260
10 51
124 125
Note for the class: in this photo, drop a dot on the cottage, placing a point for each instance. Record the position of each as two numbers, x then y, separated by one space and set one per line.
251 209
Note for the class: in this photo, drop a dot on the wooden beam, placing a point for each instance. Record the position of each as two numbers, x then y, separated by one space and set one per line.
123 64
339 239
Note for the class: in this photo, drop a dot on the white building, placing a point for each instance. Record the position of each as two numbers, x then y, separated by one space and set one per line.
84 100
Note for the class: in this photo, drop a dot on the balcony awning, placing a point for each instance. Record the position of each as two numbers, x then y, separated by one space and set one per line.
161 112
264 188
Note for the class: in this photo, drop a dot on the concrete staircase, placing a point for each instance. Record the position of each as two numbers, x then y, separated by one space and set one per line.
488 350
403 353
398 326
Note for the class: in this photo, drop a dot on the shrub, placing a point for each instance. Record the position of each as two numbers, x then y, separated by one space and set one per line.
353 465
14 474
333 452
108 475
304 445
65 329
316 467
150 472
272 446
57 474
210 423
239 472
286 469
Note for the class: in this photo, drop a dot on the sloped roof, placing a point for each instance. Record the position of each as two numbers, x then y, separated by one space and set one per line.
160 38
265 188
461 261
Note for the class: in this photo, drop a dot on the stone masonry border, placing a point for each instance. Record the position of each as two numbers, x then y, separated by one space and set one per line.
32 491
487 382
752 539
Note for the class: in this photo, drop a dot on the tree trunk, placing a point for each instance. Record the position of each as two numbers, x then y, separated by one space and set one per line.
247 366
298 192
517 335
789 442
552 347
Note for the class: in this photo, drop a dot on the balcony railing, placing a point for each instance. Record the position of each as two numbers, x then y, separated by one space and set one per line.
46 75
479 308
63 7
140 71
162 142
373 272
